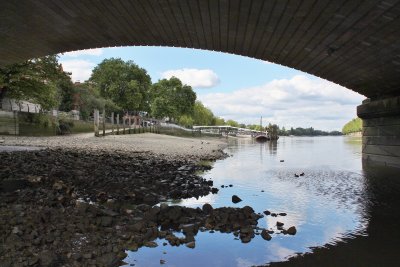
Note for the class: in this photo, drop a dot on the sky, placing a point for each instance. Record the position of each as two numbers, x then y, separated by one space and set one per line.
235 87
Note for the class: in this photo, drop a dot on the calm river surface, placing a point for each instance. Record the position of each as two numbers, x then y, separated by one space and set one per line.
346 214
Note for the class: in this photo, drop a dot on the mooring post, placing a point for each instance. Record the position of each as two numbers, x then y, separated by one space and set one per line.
112 122
96 122
123 124
104 122
117 123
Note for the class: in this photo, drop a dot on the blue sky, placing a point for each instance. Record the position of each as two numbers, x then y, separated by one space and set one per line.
236 87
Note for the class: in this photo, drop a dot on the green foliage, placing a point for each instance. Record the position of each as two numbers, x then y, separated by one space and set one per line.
306 132
36 80
88 99
186 121
170 98
232 123
218 121
353 126
125 83
255 127
202 115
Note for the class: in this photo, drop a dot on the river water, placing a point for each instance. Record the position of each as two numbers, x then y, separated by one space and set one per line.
346 213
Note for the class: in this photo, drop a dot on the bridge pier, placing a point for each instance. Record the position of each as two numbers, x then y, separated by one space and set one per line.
381 131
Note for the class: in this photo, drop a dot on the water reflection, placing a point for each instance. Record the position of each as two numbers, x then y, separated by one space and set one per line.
336 204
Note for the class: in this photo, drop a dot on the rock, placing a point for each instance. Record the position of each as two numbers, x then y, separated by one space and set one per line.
279 224
163 206
248 211
236 199
150 244
58 185
282 160
106 221
291 230
162 261
108 259
16 231
214 190
48 258
265 235
282 214
267 212
207 208
189 229
191 244
33 261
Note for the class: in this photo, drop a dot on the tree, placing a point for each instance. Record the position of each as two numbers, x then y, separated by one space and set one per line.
36 80
125 83
88 98
232 123
170 98
202 115
353 126
218 121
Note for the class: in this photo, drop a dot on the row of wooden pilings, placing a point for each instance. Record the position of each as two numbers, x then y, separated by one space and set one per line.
119 129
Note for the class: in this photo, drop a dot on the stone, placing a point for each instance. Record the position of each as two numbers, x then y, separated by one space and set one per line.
106 221
191 244
282 214
236 199
162 261
48 258
291 230
151 244
267 212
207 208
108 259
279 224
265 235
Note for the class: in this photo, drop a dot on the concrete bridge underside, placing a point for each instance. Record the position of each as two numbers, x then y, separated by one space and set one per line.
352 43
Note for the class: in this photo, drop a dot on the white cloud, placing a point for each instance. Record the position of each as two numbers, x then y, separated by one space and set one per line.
196 78
299 102
86 52
80 69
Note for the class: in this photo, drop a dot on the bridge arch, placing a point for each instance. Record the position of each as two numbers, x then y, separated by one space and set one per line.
353 43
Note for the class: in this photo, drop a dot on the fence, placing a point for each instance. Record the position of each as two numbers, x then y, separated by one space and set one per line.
41 124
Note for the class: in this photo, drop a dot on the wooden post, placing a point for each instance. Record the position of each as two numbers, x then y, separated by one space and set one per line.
130 124
104 122
112 122
117 123
16 123
123 124
96 122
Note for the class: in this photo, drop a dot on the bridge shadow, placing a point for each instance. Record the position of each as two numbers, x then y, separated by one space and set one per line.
379 245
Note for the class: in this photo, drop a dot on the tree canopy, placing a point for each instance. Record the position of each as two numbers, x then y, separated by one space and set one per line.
37 80
353 126
125 83
170 98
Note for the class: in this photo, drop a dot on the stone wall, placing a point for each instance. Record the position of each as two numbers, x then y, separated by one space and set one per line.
381 131
8 123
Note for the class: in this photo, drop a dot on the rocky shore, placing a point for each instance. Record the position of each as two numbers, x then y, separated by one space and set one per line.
86 206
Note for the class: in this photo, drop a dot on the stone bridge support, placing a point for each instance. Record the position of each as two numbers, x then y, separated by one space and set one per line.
381 131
